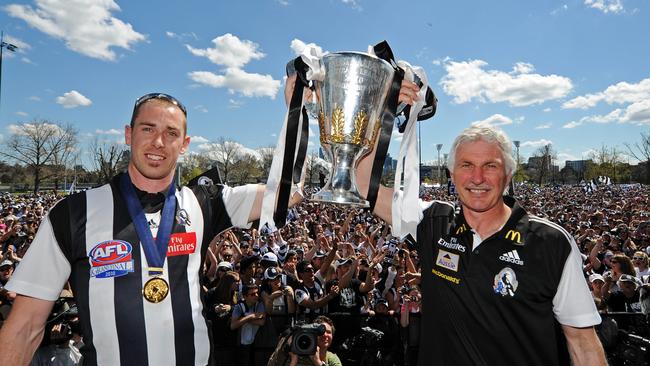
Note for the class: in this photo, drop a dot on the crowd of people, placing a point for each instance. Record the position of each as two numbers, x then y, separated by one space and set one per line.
342 266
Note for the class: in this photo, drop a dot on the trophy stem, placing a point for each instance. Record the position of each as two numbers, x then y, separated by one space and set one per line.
341 187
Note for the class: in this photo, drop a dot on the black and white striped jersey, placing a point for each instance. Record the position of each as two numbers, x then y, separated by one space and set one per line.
89 239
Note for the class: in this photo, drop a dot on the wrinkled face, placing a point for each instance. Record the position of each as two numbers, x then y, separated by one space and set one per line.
325 340
156 140
480 175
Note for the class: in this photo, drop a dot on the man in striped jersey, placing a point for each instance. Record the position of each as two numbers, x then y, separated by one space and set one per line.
499 287
132 250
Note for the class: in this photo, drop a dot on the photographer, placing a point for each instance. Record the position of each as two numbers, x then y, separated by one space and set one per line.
247 317
322 357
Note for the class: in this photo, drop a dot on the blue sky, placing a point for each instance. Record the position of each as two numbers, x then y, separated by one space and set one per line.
574 73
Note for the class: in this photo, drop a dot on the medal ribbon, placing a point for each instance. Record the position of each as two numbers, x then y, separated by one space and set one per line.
156 252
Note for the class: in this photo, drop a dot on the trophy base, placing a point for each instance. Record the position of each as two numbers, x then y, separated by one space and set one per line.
341 198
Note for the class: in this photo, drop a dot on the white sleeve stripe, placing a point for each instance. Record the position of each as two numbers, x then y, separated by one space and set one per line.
573 304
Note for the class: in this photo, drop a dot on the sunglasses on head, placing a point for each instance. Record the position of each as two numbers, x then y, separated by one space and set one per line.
160 96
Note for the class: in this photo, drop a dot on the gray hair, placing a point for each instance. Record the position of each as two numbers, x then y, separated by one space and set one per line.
488 134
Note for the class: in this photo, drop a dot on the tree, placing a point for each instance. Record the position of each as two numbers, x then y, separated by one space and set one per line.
225 153
194 164
541 164
106 159
38 144
244 169
641 151
266 158
607 162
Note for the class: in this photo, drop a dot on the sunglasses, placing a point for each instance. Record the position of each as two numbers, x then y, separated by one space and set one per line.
638 258
160 96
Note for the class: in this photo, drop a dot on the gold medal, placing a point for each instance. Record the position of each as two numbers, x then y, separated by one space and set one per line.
155 290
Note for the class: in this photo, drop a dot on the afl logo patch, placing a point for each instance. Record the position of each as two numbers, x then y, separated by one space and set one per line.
111 258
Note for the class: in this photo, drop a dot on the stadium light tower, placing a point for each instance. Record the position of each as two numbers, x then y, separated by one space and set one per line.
517 142
9 47
439 147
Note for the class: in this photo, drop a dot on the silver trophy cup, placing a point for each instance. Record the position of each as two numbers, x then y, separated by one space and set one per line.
351 102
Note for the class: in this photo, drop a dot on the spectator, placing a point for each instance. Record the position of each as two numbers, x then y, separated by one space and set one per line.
322 357
247 317
640 261
221 301
627 298
310 295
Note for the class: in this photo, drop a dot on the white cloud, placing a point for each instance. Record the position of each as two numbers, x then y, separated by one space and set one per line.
355 4
620 93
283 2
233 54
73 99
22 114
229 51
23 128
547 110
34 98
211 150
573 124
494 120
27 61
86 26
112 131
635 95
237 80
235 104
298 46
537 143
183 36
606 6
522 68
201 108
198 140
543 126
467 80
562 8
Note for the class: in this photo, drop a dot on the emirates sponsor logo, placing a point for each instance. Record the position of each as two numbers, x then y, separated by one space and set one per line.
181 244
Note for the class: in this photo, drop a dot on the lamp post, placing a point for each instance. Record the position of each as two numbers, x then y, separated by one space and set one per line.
439 147
9 47
517 147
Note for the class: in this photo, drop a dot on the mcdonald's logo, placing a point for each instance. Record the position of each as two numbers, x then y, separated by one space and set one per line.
514 236
461 229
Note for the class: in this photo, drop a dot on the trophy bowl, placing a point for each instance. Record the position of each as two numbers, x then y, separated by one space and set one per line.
351 101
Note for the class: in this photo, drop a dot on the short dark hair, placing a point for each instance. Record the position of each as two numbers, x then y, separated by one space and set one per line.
165 98
302 266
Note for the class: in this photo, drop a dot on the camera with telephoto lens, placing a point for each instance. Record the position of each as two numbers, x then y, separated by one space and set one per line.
304 339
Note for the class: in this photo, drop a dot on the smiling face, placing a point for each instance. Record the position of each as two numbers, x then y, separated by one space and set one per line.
156 139
480 175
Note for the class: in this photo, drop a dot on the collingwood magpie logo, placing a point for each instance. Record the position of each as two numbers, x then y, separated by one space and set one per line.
505 282
183 218
512 257
152 224
453 245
